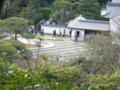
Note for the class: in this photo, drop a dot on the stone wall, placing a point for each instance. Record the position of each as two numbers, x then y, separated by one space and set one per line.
48 29
115 29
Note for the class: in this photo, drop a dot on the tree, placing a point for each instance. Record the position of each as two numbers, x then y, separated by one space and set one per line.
90 9
23 3
102 56
39 44
16 25
35 12
103 2
10 8
62 11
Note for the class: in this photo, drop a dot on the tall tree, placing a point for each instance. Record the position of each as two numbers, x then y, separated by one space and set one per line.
11 8
36 11
63 11
90 9
16 25
103 2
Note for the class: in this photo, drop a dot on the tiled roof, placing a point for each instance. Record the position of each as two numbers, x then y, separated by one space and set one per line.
113 4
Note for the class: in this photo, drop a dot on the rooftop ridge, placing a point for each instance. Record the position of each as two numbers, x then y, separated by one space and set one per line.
95 21
113 4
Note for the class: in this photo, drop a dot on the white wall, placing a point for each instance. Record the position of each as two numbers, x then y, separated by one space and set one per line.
115 29
50 29
116 1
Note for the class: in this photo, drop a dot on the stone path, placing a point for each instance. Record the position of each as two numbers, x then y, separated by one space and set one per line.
62 49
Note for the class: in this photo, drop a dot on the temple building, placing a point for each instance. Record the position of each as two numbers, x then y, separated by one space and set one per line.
112 12
83 27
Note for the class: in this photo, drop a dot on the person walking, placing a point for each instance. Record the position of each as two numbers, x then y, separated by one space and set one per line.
42 32
60 33
54 33
75 36
64 33
70 33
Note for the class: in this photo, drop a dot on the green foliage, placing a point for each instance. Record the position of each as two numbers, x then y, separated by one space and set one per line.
10 8
103 56
40 14
2 28
45 11
90 9
65 10
62 11
110 81
36 11
16 20
27 34
8 51
100 59
43 57
45 78
102 2
15 25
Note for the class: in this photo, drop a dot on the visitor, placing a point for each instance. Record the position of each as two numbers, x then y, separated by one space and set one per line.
60 33
70 33
76 36
42 32
64 33
35 32
32 31
54 33
57 58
